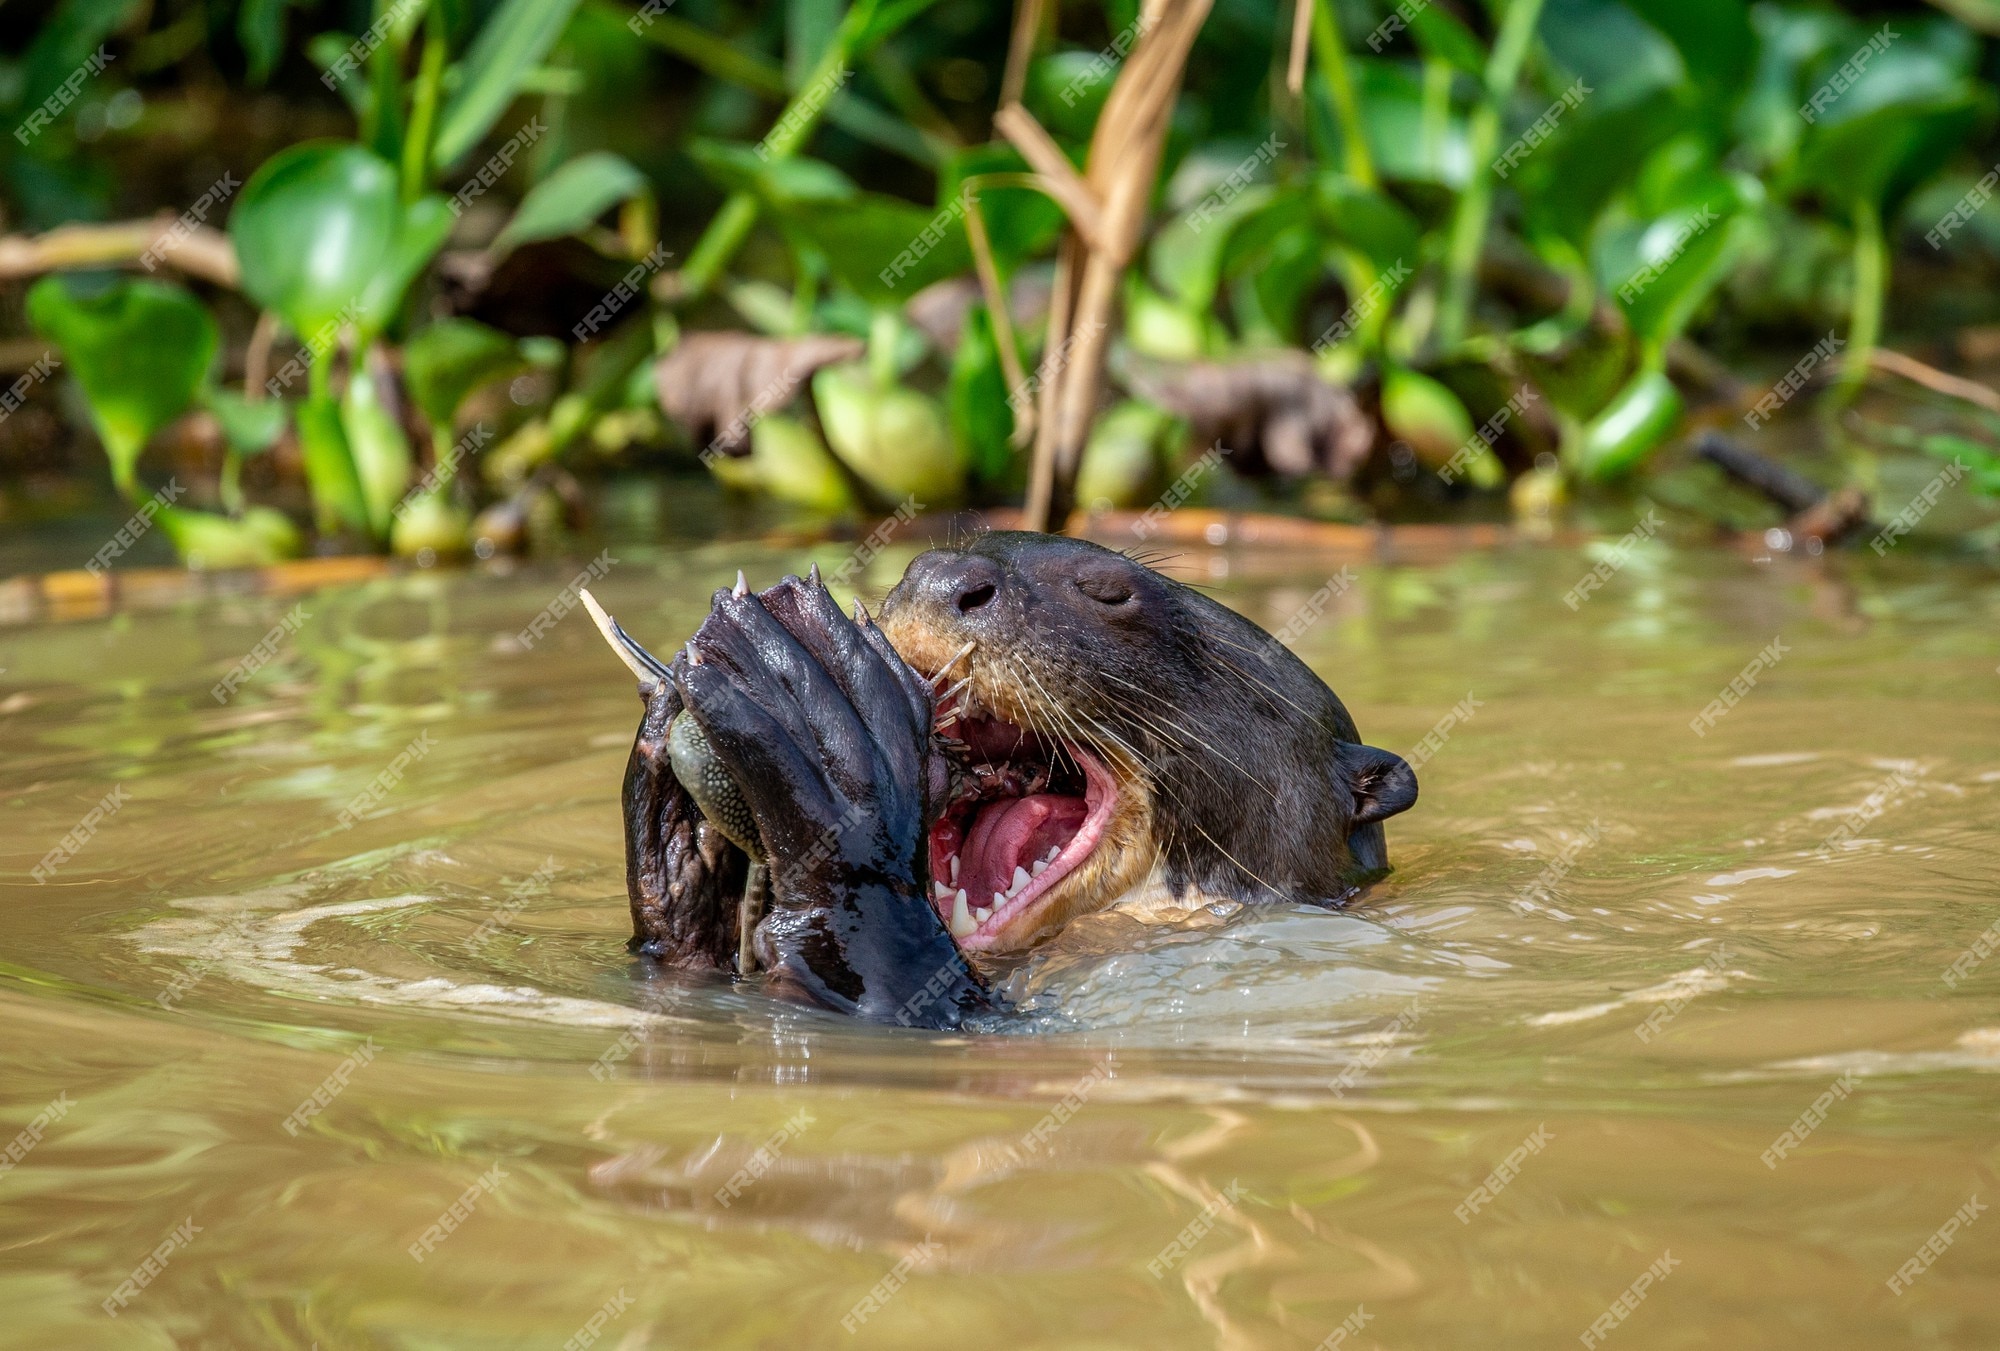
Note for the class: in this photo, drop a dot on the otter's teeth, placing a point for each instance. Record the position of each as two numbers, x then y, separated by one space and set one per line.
940 892
1054 849
999 899
954 869
1020 880
962 922
983 915
1041 866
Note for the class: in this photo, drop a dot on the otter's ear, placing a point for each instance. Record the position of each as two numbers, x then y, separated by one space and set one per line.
1382 782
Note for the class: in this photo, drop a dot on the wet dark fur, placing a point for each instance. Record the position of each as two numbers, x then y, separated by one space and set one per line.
1260 785
1260 782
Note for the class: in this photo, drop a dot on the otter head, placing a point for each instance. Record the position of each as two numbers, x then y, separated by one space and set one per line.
1112 726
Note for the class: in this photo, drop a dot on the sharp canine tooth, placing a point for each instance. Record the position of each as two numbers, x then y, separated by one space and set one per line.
954 869
962 922
999 899
983 915
1039 868
1054 849
939 891
1020 880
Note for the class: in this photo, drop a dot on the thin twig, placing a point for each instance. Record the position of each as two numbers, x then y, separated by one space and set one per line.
996 308
1295 68
1020 48
1931 378
199 252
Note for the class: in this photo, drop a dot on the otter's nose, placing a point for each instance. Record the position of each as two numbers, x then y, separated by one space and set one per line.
954 581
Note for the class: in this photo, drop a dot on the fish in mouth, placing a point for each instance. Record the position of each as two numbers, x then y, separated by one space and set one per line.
1035 728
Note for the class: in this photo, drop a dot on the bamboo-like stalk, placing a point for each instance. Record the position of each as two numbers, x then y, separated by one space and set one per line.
1116 184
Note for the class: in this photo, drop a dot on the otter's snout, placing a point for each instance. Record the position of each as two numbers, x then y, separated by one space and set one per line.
948 583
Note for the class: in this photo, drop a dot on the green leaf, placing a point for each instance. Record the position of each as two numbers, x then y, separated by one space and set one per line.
793 465
569 200
381 452
1883 155
1185 260
422 229
1121 464
1442 36
325 240
1630 428
312 228
261 536
1566 184
510 45
1021 222
809 28
260 27
882 247
336 488
65 43
976 402
894 439
451 358
1713 36
1403 142
250 426
139 350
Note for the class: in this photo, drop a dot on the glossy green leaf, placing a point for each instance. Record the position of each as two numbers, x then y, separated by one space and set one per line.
793 465
313 229
1425 414
894 439
1631 427
446 361
257 538
1405 142
251 426
381 451
1618 54
139 350
336 487
1566 184
571 199
1123 460
1185 260
510 45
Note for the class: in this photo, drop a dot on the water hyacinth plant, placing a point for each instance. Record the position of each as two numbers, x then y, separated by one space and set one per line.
1067 250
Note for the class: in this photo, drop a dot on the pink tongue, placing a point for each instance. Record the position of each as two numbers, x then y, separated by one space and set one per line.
1015 834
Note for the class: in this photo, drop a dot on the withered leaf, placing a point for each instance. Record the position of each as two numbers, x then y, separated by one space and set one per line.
717 384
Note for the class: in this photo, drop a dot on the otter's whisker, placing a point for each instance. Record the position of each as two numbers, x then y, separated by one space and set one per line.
946 696
956 658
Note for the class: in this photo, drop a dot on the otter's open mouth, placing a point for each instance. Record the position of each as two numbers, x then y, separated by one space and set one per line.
1024 814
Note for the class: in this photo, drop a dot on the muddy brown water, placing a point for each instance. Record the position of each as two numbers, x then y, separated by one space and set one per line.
269 1080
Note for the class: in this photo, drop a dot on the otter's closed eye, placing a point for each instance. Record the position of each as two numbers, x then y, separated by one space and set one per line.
1108 589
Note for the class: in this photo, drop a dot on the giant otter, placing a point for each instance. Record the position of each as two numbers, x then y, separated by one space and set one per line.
1035 728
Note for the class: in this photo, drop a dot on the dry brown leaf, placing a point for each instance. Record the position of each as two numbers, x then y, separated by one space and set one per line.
1273 412
717 384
